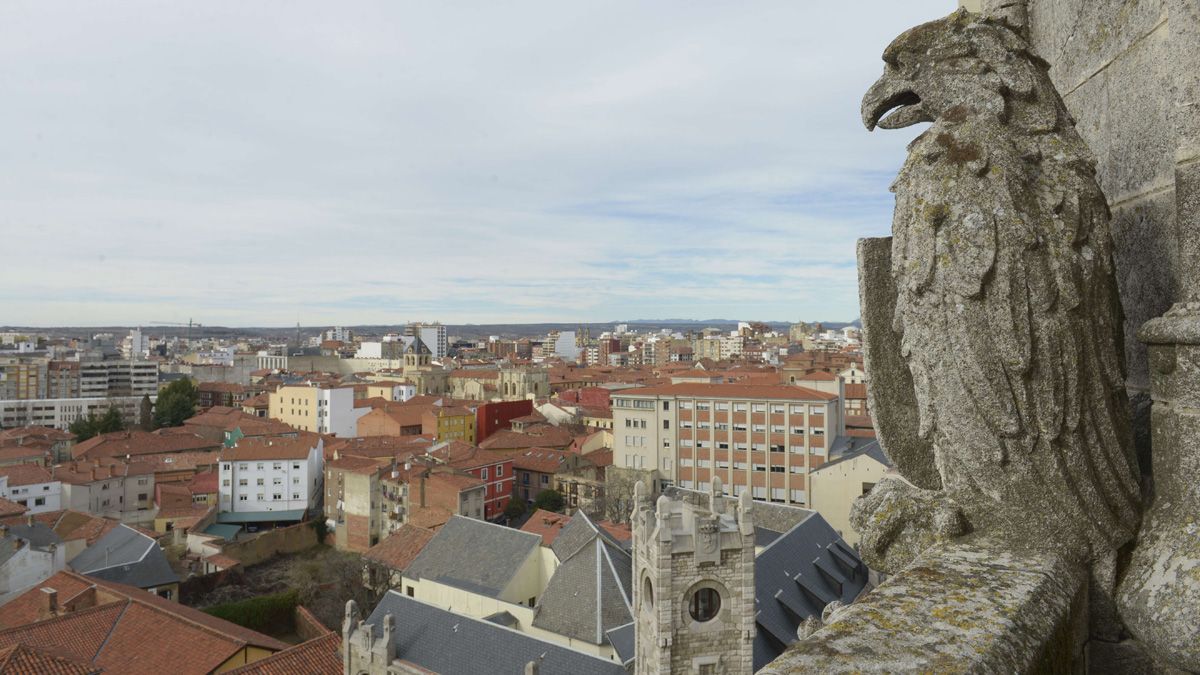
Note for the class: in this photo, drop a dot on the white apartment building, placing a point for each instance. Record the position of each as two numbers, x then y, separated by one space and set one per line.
433 335
31 486
59 413
764 438
271 474
106 379
732 345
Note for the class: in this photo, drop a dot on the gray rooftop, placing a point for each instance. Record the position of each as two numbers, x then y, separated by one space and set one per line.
795 576
38 535
849 447
452 644
591 591
474 555
622 640
126 556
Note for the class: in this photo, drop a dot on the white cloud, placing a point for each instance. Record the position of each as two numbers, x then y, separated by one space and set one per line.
263 163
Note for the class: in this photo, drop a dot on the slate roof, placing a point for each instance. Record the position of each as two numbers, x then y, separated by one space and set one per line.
445 642
795 576
126 556
39 535
591 591
474 555
846 448
622 640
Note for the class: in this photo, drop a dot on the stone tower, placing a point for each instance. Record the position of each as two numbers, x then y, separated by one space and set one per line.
693 584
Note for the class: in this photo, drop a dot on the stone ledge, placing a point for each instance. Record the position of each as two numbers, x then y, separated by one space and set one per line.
961 607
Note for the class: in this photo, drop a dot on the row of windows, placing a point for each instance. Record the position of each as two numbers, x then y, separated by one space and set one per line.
245 466
275 497
759 493
725 445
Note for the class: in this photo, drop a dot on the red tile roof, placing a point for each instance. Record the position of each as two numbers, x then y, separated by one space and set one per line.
547 524
319 656
113 635
250 449
122 443
25 474
10 508
399 548
23 660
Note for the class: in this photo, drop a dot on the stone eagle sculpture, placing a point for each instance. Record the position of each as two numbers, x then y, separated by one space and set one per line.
1002 321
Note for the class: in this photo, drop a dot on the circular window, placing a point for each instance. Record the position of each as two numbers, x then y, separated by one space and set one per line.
705 604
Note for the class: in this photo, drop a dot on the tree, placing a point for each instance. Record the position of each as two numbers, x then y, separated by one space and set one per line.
549 500
327 580
515 509
87 427
176 403
146 414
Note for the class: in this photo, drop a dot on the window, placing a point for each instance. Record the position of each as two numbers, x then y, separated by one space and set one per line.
818 432
296 466
739 407
777 494
722 407
722 426
704 605
722 445
776 409
778 429
277 466
741 466
739 427
260 481
499 471
242 482
39 501
260 497
408 590
242 498
685 442
799 496
703 407
685 461
141 481
260 466
296 480
796 468
277 496
777 469
758 407
798 431
778 447
760 467
759 428
666 424
295 495
758 493
816 410
142 496
797 410
545 479
277 481
704 463
225 467
686 424
483 473
225 482
722 464
685 405
666 405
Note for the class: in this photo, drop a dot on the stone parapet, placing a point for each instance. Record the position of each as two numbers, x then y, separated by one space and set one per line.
975 607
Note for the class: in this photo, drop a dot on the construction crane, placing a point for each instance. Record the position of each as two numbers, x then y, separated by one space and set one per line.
189 325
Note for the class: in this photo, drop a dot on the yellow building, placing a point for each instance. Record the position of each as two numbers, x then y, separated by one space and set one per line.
324 410
835 485
453 423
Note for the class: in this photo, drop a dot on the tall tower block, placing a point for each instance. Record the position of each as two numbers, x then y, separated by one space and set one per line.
693 584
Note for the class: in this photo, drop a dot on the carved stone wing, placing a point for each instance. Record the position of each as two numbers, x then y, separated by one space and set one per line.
897 420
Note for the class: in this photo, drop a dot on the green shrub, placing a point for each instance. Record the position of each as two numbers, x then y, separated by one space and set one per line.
270 614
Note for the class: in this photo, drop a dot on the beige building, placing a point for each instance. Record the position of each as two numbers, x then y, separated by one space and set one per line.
761 438
323 410
835 485
353 502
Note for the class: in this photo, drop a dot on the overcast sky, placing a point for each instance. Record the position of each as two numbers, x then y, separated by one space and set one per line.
263 163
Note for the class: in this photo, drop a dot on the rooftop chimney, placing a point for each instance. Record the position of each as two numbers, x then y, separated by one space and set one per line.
49 603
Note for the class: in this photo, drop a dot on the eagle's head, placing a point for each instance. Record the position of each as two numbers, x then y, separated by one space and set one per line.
963 64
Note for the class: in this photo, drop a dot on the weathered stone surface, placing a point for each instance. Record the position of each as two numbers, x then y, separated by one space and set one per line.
1080 37
960 608
1160 595
1147 263
1006 308
1187 207
892 400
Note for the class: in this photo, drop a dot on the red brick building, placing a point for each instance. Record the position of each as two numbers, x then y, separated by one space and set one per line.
495 416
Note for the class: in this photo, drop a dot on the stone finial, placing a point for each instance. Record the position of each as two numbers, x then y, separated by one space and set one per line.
351 618
715 494
745 507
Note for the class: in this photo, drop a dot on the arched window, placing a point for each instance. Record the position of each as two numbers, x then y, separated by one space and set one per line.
705 604
647 595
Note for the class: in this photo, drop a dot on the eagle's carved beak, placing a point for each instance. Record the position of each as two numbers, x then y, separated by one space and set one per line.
892 93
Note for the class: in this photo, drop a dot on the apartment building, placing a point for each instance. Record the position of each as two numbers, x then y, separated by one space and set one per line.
59 413
353 502
108 487
433 335
765 438
271 474
118 379
31 486
22 377
309 407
